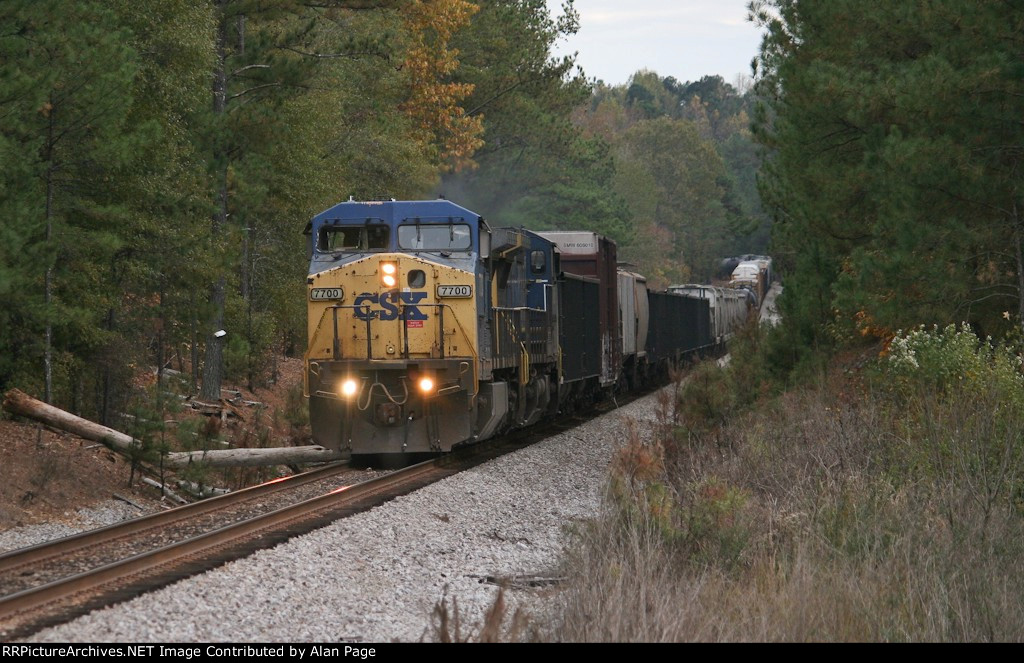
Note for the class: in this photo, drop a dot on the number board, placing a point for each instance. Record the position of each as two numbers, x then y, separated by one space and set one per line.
454 291
326 294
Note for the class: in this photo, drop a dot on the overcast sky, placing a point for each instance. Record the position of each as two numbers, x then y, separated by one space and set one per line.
686 39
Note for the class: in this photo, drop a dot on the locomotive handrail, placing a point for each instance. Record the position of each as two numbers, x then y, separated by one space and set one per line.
309 351
440 321
369 336
319 326
442 306
519 308
307 356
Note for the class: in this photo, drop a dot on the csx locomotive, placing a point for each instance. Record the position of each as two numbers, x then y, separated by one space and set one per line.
429 329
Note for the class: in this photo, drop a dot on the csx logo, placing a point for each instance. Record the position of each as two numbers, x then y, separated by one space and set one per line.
389 304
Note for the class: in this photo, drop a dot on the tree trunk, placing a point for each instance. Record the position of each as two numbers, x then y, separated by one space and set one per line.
213 360
48 279
165 490
213 364
194 349
1020 267
107 381
19 403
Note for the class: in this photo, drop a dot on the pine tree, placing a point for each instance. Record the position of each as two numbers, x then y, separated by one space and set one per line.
67 87
536 168
896 151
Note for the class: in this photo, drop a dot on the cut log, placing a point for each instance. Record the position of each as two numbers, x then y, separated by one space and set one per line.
200 490
255 457
165 490
222 409
167 371
19 403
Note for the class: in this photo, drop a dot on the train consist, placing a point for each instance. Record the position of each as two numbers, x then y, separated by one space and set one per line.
429 329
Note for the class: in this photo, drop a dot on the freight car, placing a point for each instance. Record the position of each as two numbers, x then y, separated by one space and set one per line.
729 308
754 274
429 329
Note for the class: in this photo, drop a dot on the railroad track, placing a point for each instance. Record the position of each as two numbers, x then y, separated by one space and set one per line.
34 605
41 571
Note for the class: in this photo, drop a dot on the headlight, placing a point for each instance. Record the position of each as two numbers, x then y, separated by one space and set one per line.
426 385
389 274
349 388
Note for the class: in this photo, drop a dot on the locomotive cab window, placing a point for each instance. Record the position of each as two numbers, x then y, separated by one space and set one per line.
537 262
435 237
354 238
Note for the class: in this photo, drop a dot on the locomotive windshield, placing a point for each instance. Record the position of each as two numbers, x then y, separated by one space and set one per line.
354 238
435 237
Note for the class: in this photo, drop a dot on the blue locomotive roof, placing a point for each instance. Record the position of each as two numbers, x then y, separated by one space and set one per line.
395 210
406 226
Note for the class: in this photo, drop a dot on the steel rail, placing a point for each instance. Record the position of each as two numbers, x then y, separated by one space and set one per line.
48 550
28 610
24 612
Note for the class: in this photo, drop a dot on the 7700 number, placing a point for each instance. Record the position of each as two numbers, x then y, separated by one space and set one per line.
454 291
326 294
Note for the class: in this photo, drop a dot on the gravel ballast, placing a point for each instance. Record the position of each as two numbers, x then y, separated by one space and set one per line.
376 576
101 515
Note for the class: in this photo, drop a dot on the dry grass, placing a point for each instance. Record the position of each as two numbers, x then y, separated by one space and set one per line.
497 626
832 514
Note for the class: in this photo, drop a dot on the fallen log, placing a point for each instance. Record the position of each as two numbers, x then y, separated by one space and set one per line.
199 490
164 490
20 403
215 409
255 457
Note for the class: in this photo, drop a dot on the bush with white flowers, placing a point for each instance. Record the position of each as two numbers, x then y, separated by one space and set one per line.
954 358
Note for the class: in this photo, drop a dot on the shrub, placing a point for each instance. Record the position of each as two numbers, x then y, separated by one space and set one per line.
891 509
952 359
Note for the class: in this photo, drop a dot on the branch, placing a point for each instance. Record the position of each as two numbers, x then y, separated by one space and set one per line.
501 94
980 203
994 294
328 56
253 89
350 6
250 66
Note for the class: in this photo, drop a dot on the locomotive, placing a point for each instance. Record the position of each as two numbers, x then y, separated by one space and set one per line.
429 329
